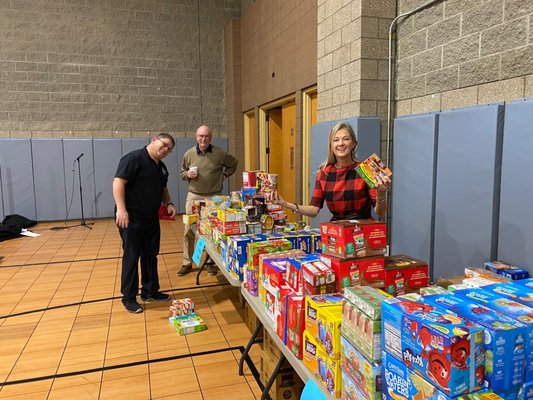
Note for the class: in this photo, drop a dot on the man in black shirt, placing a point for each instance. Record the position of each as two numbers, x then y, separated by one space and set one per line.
139 188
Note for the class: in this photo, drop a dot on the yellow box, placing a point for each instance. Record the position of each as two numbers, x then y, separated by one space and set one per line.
326 370
189 219
230 215
315 307
328 332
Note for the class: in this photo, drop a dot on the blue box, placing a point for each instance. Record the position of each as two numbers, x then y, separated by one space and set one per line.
527 283
506 270
505 340
510 308
442 347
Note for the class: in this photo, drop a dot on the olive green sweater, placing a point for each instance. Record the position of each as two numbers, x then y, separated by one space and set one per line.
213 166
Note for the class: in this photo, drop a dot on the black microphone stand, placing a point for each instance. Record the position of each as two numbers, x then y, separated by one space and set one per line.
83 223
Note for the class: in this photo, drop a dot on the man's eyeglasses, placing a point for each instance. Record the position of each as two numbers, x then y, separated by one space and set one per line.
166 145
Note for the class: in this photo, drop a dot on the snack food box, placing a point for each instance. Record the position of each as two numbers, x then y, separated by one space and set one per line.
519 293
506 270
444 348
365 375
505 339
476 272
188 325
510 308
295 323
294 271
370 168
401 382
350 390
317 278
354 238
404 274
326 370
323 322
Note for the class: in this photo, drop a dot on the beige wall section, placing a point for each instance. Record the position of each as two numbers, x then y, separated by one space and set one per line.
460 53
112 68
352 57
278 38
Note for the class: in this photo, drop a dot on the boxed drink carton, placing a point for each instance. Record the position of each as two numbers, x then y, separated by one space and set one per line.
365 375
510 308
317 278
294 271
295 323
350 390
404 274
371 168
327 371
354 238
505 339
441 346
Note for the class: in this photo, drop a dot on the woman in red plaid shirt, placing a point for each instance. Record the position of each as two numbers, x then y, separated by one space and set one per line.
346 194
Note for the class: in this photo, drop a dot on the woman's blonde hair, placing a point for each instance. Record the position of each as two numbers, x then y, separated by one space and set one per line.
331 156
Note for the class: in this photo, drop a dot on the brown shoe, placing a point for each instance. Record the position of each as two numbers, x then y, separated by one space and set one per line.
185 269
212 270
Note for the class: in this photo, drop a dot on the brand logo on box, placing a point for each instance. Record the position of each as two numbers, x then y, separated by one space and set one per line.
311 313
310 348
413 358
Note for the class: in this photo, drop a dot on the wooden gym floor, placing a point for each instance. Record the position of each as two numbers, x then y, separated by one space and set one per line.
64 333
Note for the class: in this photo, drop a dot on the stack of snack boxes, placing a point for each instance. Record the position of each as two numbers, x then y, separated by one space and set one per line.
361 343
183 317
321 338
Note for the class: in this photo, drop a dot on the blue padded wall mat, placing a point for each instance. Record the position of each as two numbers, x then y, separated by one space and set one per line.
72 149
132 144
415 146
107 153
367 131
16 178
516 217
49 178
182 145
467 188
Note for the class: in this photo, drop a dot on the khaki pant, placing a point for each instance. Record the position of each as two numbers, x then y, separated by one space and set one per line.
188 233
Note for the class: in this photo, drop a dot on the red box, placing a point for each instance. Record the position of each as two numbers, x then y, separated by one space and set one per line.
404 274
346 270
295 323
317 278
372 271
354 238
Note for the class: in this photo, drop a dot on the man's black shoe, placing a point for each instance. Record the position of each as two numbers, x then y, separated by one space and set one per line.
185 270
132 307
156 297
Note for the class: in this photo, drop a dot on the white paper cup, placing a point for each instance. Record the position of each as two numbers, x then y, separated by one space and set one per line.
194 170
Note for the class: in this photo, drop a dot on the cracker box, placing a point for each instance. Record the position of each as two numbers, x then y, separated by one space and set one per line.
354 238
506 270
327 371
346 271
294 271
295 323
365 375
317 278
510 308
404 274
442 347
505 339
401 382
371 168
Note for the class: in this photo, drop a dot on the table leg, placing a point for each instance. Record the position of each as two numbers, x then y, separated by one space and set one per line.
244 354
207 258
272 378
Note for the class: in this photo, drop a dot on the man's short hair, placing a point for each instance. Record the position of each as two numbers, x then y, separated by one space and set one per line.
164 135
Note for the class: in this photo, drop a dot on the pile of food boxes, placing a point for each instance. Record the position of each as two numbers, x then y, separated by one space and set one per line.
366 324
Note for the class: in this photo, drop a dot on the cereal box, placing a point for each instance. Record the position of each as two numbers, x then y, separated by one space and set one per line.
442 347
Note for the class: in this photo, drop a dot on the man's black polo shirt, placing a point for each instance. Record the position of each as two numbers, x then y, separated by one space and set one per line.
144 188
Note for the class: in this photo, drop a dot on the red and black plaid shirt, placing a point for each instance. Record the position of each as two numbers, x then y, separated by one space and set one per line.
346 194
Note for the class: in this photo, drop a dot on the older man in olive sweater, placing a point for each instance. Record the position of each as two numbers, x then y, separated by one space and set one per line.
204 166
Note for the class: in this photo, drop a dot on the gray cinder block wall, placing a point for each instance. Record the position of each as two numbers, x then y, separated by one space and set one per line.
112 68
464 52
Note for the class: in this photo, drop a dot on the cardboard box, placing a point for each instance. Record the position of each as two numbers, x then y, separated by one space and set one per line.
371 168
287 385
346 270
442 347
354 238
404 274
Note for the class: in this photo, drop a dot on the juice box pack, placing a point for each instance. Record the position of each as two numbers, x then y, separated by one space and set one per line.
505 339
365 375
371 168
354 238
444 348
327 371
294 271
510 308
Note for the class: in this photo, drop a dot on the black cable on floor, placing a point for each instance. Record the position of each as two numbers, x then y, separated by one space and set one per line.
132 364
105 299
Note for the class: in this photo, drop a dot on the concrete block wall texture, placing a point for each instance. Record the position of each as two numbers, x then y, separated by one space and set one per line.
459 53
112 68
